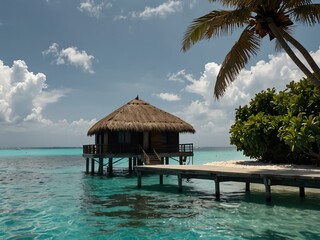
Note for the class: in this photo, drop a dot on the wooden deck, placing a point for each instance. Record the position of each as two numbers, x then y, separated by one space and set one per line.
287 177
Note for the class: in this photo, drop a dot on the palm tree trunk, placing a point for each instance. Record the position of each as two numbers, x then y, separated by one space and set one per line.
303 51
291 54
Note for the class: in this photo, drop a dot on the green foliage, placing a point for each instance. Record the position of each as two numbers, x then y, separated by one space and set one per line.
280 127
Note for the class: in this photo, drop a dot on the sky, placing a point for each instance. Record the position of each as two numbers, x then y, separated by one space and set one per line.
66 64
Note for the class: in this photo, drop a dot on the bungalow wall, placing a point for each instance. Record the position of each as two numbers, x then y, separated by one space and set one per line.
165 142
129 142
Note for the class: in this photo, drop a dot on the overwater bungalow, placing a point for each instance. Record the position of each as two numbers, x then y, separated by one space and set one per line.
139 132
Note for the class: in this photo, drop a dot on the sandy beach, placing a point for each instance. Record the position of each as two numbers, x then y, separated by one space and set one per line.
252 164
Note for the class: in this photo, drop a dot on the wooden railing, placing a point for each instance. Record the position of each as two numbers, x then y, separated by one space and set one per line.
187 147
100 149
146 158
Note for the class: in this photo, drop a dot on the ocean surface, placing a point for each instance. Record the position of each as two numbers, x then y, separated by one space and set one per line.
45 194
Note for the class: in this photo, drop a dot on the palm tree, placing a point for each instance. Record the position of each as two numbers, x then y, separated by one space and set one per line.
257 18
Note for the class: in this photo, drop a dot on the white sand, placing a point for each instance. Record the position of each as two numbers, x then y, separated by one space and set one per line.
259 165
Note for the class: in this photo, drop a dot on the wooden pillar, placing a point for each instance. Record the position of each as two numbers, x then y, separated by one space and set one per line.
161 179
110 167
247 186
267 184
100 171
302 192
139 179
180 160
130 165
179 182
134 161
87 165
167 160
217 188
92 166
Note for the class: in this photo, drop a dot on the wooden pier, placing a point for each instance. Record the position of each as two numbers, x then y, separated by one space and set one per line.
286 177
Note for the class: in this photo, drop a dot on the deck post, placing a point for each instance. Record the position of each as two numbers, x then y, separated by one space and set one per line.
180 182
139 179
267 184
100 171
87 165
247 186
92 166
134 161
217 187
110 167
130 165
180 160
302 192
167 160
161 179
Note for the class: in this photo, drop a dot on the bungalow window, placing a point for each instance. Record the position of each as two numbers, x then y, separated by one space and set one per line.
164 138
124 137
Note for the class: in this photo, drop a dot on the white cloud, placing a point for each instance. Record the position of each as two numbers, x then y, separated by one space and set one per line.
192 3
212 119
168 97
93 9
180 76
23 94
71 55
23 97
169 7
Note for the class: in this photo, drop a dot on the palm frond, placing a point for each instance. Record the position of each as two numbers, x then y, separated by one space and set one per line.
290 4
307 14
246 47
214 24
234 3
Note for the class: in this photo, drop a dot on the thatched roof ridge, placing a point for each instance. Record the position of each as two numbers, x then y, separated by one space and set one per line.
139 116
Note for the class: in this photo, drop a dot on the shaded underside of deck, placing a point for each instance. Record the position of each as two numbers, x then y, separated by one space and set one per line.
287 177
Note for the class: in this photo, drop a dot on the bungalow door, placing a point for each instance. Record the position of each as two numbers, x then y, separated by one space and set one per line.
146 141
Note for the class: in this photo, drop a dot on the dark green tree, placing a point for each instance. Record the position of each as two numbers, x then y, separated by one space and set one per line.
256 19
280 127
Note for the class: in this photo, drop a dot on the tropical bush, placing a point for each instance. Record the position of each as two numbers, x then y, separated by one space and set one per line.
280 127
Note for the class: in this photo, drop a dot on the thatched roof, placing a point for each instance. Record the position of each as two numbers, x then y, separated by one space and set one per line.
140 116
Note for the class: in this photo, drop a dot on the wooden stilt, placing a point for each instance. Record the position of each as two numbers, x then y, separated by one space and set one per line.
139 179
87 165
110 167
217 188
92 166
302 192
267 184
180 160
161 179
130 165
100 171
167 160
179 182
134 161
247 186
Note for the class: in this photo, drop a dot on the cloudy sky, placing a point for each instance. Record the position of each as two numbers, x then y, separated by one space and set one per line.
66 64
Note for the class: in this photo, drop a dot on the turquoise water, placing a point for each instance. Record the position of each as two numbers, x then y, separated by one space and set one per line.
44 194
